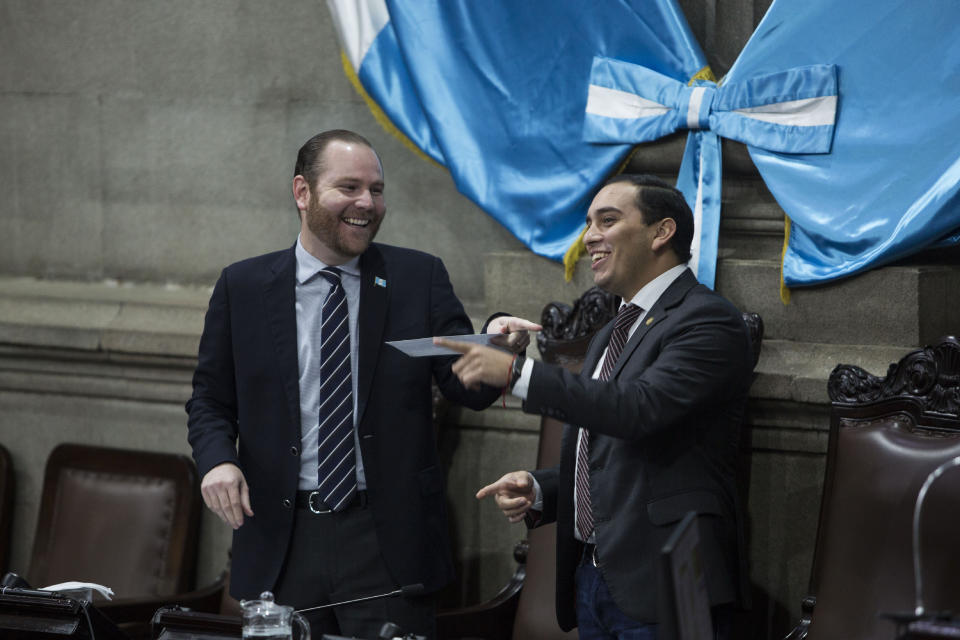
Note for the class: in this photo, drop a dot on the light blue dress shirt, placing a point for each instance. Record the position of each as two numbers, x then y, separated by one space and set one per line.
311 291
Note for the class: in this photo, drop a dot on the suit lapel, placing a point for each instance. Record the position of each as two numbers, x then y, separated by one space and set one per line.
595 350
280 301
374 300
658 313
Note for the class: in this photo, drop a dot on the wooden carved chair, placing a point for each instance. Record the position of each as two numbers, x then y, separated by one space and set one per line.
125 519
525 609
6 506
887 434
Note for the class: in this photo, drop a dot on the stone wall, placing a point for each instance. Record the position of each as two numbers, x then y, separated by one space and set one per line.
143 147
155 142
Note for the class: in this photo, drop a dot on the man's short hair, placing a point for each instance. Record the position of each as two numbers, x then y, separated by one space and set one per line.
310 157
657 200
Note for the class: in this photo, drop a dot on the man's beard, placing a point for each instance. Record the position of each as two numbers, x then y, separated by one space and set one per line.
325 226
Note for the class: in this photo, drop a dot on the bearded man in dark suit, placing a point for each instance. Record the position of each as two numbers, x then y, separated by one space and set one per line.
314 439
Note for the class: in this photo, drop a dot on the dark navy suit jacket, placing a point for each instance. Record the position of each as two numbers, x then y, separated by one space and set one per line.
664 435
245 407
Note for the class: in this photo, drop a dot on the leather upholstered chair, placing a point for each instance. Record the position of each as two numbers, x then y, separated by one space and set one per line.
525 609
6 506
128 520
887 434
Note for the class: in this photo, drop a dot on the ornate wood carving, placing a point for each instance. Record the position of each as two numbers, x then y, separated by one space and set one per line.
589 313
755 325
566 329
930 376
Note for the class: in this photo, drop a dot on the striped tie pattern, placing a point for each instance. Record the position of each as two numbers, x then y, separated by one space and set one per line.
621 330
337 467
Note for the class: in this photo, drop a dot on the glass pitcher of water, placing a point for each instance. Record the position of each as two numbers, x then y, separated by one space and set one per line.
264 619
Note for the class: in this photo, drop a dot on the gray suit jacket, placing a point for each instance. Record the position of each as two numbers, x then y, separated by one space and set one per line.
664 441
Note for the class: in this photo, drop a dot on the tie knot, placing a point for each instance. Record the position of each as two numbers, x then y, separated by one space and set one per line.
627 316
332 274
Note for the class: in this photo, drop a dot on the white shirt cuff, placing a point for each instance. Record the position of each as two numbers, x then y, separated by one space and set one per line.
538 497
523 384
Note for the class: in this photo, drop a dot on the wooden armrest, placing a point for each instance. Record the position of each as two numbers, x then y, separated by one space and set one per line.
806 614
490 619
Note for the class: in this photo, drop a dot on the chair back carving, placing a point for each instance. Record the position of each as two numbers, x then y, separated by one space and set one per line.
6 506
886 435
125 519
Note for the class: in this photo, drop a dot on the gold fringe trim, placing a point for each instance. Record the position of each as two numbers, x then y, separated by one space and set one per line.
378 114
573 254
704 74
784 291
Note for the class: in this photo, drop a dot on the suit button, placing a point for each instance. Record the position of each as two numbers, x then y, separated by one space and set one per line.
294 451
286 503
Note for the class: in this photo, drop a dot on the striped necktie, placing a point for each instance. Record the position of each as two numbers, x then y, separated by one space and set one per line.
337 467
621 331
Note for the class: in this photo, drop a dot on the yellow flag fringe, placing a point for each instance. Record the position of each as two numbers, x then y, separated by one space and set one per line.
382 118
784 290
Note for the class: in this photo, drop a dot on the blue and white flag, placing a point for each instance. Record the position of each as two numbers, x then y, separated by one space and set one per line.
496 92
374 59
849 111
890 185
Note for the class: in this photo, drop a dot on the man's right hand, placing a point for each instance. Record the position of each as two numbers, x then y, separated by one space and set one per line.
225 492
514 494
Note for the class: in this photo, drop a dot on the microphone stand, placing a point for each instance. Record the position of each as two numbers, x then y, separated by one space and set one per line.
905 620
919 610
408 590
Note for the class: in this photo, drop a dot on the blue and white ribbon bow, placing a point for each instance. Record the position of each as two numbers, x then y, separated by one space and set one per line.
792 111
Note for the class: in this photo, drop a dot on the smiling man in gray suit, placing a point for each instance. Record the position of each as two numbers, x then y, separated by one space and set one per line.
653 422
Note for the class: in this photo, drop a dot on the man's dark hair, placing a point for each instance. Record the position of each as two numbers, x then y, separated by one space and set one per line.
657 200
310 157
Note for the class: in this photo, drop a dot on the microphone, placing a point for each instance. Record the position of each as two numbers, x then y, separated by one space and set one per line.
406 590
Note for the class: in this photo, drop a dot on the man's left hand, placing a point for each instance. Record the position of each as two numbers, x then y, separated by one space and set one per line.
479 364
514 332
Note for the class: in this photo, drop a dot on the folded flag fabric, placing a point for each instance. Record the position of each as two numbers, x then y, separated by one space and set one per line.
889 186
531 105
496 92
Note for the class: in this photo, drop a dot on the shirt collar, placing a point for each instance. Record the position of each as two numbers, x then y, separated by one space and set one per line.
651 292
308 266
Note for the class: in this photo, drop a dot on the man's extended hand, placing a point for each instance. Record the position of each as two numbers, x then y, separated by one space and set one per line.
515 332
479 364
514 493
225 492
